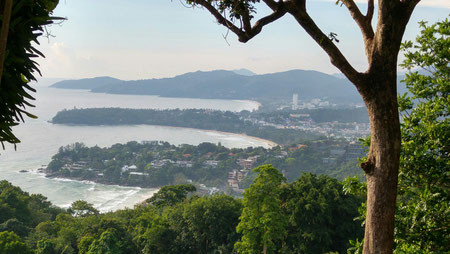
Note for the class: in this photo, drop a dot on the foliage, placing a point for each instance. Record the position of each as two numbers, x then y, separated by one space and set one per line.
81 208
196 224
212 222
108 243
10 243
21 212
423 212
320 215
171 194
45 247
262 222
28 21
154 164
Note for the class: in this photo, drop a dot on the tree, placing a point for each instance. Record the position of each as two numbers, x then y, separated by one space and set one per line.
212 222
377 86
81 208
171 194
321 216
262 222
45 246
423 211
107 244
22 23
13 203
10 243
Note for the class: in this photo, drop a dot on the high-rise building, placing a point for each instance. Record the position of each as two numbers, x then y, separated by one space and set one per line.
294 101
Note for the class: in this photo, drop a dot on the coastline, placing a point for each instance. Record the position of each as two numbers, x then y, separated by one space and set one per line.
269 143
96 185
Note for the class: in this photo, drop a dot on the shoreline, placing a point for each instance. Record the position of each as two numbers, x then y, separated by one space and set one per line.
269 143
89 90
121 198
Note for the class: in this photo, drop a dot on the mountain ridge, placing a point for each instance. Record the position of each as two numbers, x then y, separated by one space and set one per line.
224 84
86 83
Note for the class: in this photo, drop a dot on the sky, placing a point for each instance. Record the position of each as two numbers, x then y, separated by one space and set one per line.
141 39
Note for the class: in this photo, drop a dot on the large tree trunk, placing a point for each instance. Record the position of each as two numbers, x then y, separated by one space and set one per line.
377 87
380 97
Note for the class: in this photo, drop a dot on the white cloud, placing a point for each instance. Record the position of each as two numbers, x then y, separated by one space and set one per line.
435 3
64 61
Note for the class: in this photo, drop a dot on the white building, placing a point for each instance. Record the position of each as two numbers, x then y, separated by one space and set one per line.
294 101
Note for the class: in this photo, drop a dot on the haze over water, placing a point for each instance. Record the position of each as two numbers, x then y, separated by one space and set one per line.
41 140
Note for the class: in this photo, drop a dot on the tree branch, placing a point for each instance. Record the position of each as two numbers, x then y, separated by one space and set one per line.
370 8
364 22
220 18
272 4
249 31
298 10
412 4
246 19
393 17
257 27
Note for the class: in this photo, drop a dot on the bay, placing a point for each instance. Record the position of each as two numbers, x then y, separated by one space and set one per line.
42 139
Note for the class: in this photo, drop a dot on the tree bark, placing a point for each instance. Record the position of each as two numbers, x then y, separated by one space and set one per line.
380 96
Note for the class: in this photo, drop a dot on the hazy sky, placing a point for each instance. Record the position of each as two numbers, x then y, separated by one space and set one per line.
138 39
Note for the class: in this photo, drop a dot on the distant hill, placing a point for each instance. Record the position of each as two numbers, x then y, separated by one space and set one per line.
244 72
222 84
87 83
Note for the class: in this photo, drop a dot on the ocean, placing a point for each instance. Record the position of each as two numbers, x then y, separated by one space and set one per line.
42 139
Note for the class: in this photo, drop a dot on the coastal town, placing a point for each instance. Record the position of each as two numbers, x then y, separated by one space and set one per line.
211 167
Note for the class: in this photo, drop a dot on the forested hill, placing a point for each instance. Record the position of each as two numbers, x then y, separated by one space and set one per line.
87 83
221 84
188 118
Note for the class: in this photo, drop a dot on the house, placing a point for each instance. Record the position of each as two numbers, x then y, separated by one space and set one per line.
184 164
160 163
149 142
139 174
234 177
247 163
211 163
240 175
157 164
232 174
233 183
127 168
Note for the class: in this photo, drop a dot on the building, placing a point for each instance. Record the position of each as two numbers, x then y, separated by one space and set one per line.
150 142
211 163
294 101
184 164
160 163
